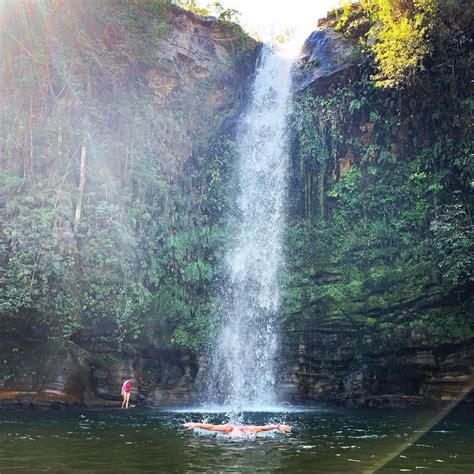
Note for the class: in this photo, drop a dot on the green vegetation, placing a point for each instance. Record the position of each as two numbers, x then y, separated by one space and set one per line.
381 235
110 240
212 9
402 34
107 238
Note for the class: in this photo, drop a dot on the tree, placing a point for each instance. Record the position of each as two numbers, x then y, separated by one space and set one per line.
400 37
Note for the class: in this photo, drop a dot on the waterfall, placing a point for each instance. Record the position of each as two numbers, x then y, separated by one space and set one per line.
245 355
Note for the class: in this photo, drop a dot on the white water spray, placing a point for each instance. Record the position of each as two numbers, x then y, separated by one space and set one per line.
244 360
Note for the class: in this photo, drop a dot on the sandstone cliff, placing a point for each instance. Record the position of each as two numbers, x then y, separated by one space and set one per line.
123 287
109 110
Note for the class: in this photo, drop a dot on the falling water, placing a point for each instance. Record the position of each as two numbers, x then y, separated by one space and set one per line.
244 360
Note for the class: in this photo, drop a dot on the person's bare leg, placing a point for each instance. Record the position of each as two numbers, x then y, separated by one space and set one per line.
207 426
124 399
127 398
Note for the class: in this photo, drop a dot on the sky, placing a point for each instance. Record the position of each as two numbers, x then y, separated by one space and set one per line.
272 17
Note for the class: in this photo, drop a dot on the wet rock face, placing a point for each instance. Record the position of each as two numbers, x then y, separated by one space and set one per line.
57 379
176 378
74 377
326 54
410 377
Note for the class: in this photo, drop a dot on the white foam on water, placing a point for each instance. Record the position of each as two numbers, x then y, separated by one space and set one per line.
229 410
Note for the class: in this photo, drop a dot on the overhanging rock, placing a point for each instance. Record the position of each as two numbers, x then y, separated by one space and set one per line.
325 55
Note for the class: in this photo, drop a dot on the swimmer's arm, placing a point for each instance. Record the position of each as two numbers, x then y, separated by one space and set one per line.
207 426
258 429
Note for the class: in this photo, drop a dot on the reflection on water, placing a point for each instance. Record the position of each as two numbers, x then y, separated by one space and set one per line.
328 441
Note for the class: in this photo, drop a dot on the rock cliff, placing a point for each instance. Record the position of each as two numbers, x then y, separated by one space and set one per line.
76 377
349 338
325 56
333 368
371 320
132 93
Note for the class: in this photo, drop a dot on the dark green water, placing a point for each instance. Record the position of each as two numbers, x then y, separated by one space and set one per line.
325 441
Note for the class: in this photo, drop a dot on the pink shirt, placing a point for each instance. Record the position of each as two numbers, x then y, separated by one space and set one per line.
127 386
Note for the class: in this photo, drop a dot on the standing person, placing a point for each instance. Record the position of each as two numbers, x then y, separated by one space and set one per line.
126 389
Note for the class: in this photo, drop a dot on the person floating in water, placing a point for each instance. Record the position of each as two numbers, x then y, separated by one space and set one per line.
237 431
126 389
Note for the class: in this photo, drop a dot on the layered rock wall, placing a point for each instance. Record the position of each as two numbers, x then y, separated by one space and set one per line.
76 377
337 373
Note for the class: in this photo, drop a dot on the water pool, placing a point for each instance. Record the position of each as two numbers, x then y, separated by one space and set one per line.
325 441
